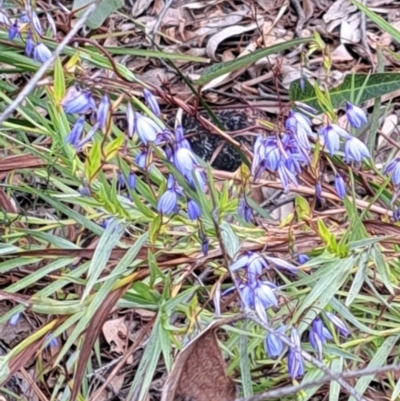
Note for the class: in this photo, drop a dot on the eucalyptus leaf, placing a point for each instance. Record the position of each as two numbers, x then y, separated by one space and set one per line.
219 69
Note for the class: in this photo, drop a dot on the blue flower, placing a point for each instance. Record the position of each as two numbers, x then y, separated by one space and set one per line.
266 155
281 264
180 140
318 335
36 24
53 340
103 112
394 168
264 294
130 118
332 134
146 128
193 209
131 180
121 179
295 360
300 127
152 102
339 325
355 150
29 45
4 19
13 31
141 158
84 190
41 53
74 136
78 102
185 161
273 343
355 115
286 176
340 186
302 258
244 210
168 202
88 137
15 318
247 294
253 262
396 215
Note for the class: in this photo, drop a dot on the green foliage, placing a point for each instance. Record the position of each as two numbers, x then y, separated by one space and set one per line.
358 86
102 11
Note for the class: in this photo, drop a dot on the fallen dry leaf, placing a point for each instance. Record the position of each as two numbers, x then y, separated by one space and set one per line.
115 332
199 372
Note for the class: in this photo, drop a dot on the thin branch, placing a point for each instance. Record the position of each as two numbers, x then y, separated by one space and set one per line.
331 375
42 70
288 390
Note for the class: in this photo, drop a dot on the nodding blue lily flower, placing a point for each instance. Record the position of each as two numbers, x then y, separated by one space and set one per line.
152 102
266 155
355 150
331 134
340 186
4 19
253 262
41 53
24 18
74 136
247 293
103 112
355 115
264 294
141 158
168 201
130 118
180 140
36 23
318 335
295 360
300 128
302 258
29 45
15 318
193 209
286 176
77 102
146 128
121 179
273 343
185 161
88 137
281 264
394 168
244 210
131 180
84 190
339 325
13 31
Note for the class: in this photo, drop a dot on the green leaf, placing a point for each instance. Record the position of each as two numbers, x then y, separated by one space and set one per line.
378 360
59 81
245 366
102 11
377 85
219 69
